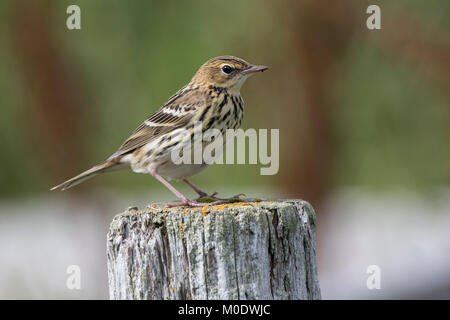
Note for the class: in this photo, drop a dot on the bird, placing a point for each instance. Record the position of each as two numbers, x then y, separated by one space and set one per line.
212 98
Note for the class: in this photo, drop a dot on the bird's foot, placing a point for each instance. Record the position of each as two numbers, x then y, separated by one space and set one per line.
232 199
192 203
204 195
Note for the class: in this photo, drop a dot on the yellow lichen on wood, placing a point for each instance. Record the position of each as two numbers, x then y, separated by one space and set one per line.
229 205
181 230
204 210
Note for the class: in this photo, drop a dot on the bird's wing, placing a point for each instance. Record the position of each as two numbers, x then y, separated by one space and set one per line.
175 113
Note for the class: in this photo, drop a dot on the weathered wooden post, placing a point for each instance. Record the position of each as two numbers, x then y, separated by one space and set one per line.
245 250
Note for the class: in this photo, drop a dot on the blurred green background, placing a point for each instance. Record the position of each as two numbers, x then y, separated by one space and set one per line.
359 108
354 106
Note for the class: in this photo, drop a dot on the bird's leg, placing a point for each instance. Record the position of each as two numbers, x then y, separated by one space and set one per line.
184 201
199 191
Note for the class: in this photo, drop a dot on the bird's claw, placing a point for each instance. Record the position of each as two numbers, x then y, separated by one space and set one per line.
204 195
192 203
213 196
208 200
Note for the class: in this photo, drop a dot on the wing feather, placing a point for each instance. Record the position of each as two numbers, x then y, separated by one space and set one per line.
175 113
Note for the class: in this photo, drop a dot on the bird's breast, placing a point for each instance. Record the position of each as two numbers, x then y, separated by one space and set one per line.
227 112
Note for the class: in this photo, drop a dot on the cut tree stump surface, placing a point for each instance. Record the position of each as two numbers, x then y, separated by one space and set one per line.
244 250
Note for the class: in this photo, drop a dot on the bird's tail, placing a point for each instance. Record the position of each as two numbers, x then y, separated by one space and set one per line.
110 164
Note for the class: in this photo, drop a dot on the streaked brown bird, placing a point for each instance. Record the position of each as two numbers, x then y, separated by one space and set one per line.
211 98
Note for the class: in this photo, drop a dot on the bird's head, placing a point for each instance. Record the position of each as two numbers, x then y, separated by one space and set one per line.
226 71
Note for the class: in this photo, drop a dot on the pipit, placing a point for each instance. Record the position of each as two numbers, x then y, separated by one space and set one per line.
212 98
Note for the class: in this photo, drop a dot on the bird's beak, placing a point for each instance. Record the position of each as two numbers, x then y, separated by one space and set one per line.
254 69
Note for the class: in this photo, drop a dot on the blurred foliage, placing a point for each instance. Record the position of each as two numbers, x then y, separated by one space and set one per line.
390 124
398 137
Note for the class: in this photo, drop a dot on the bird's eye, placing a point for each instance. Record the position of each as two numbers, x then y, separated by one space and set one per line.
227 69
